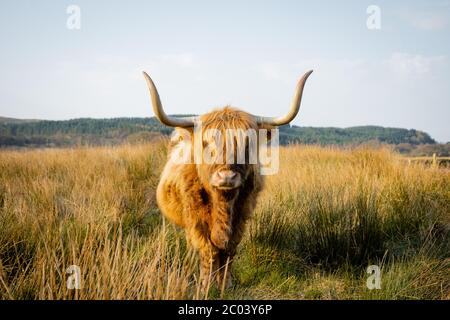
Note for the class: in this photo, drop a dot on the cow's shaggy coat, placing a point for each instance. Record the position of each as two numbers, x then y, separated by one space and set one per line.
214 219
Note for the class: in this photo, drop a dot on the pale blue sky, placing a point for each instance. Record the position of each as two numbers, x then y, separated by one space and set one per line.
205 54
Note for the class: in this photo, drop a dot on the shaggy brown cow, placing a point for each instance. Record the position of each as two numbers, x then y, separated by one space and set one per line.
212 201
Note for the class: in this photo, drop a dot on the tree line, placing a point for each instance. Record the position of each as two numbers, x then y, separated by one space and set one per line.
88 131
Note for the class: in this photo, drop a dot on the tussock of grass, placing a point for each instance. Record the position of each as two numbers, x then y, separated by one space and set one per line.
320 222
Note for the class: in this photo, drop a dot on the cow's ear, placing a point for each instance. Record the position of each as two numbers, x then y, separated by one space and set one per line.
179 135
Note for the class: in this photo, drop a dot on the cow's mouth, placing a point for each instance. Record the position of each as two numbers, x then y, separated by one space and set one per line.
227 187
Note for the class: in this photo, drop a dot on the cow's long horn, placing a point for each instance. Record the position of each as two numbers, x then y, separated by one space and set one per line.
295 105
159 111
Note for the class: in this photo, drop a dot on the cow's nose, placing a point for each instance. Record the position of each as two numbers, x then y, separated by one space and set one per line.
227 174
226 179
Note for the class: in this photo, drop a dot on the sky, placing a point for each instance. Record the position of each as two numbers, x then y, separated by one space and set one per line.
386 67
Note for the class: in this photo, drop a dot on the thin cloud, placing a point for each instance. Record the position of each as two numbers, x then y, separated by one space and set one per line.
427 20
408 64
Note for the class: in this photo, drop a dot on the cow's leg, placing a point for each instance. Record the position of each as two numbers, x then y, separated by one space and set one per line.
226 256
208 254
224 277
209 263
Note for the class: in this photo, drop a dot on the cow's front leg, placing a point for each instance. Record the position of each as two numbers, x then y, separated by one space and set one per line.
224 277
209 264
208 254
226 256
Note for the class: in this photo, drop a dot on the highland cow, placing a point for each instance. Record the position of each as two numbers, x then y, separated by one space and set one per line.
213 201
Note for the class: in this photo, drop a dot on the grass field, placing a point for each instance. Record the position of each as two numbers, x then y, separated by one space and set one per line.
319 223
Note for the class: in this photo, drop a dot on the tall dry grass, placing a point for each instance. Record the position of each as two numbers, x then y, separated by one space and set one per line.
320 222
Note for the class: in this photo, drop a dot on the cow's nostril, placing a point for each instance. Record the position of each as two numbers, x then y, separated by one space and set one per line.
227 174
226 179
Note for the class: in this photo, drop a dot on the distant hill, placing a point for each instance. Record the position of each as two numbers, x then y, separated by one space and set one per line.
14 120
353 135
87 131
84 131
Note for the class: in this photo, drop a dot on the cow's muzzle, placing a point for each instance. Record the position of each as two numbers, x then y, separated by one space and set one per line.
226 179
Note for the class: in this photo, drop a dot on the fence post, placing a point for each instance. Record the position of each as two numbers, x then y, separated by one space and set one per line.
434 160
